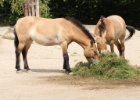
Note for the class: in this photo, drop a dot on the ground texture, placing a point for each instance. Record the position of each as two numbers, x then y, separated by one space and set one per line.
43 82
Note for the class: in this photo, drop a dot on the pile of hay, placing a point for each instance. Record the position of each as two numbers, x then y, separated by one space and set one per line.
110 66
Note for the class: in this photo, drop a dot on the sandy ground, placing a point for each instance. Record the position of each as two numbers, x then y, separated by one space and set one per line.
46 62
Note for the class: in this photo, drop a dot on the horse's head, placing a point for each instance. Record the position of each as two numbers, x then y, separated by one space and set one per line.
100 34
91 52
101 44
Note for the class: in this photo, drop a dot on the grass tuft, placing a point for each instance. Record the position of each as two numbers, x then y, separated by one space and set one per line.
110 66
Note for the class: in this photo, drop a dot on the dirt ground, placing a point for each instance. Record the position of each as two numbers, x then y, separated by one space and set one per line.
43 82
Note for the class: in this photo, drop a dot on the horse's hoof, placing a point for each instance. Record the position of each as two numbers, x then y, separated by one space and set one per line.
27 70
68 70
18 71
71 73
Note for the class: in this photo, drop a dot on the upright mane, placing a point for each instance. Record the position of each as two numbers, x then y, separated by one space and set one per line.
80 26
101 26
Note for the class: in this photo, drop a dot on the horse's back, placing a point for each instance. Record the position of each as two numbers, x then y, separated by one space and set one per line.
25 21
42 30
117 21
32 21
118 25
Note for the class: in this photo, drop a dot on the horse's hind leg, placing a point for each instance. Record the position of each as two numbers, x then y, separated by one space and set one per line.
18 49
122 48
17 60
17 53
118 46
24 54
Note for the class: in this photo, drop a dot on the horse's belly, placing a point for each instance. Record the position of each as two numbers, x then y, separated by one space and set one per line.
46 40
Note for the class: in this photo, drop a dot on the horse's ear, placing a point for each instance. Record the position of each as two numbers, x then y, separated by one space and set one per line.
102 20
92 42
102 17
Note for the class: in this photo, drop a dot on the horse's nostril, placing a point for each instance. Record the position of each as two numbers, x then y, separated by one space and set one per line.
95 52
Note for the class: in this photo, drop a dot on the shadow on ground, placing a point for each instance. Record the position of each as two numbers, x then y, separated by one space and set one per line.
47 71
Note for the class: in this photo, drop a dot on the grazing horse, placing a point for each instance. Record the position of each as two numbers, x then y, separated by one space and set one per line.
49 32
112 30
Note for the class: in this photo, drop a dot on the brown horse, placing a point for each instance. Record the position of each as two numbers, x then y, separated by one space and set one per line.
48 32
112 30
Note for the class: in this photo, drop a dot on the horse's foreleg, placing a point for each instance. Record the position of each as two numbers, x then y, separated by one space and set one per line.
66 65
112 46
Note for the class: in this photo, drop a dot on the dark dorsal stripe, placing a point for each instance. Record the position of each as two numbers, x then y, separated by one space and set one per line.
80 26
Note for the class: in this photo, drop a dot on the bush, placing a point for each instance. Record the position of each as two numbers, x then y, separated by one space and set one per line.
89 11
110 66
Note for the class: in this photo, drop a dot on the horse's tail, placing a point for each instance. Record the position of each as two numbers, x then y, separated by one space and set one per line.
131 29
16 41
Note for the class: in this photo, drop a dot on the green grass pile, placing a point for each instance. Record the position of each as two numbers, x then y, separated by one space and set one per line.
110 66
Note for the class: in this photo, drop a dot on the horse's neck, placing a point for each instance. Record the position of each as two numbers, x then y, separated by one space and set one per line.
79 36
81 39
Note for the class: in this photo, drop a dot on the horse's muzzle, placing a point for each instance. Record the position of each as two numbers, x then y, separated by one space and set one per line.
103 51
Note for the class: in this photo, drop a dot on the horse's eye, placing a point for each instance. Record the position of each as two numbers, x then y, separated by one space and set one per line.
95 52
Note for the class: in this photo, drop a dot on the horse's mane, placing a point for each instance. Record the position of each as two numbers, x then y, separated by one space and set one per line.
80 26
101 26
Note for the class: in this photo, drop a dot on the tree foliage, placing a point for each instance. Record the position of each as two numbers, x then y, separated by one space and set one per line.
17 6
87 11
80 9
11 10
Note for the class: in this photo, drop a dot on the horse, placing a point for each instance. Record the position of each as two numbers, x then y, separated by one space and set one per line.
112 30
49 32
